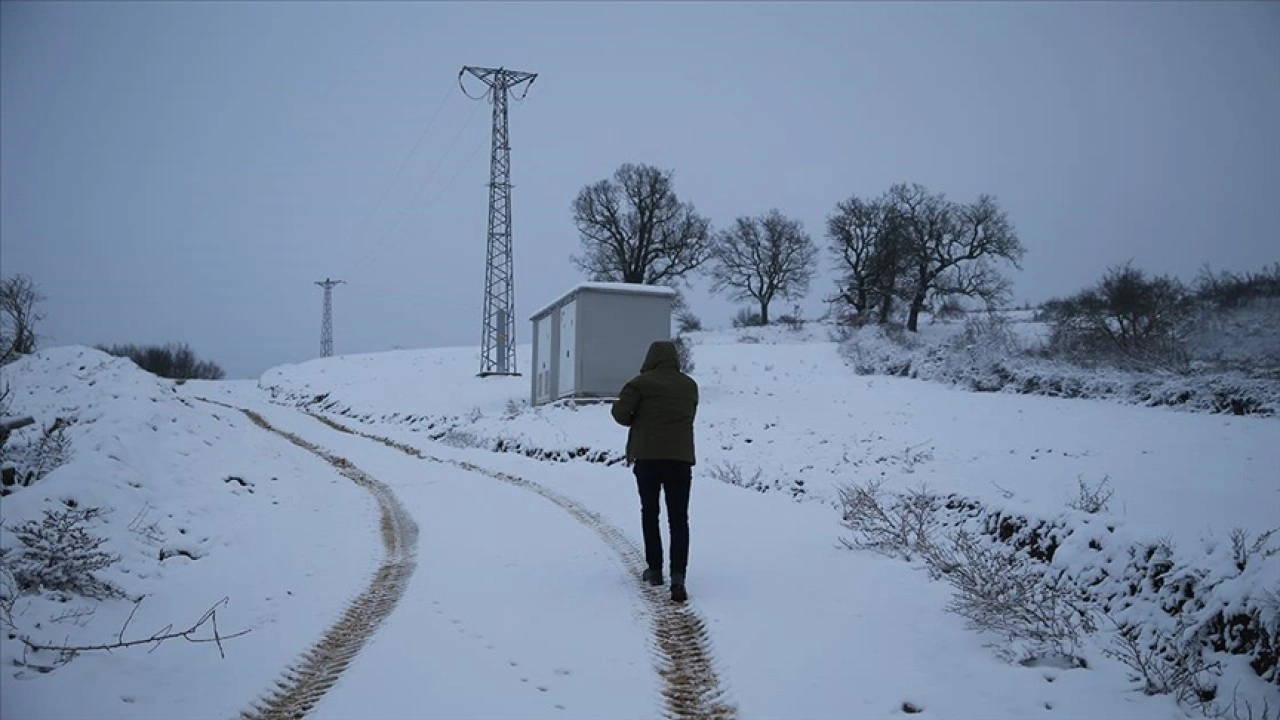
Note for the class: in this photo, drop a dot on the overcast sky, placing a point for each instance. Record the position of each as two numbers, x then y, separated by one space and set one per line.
184 172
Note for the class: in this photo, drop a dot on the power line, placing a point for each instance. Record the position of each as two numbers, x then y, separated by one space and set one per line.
402 295
416 195
431 201
355 236
497 351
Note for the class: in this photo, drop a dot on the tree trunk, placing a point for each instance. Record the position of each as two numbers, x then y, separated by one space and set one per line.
886 308
917 304
764 312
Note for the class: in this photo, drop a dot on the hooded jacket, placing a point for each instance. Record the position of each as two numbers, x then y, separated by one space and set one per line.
659 406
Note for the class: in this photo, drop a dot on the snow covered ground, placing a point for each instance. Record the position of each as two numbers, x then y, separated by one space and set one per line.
286 544
524 601
788 407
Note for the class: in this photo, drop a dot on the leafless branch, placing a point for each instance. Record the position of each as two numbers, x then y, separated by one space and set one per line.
210 617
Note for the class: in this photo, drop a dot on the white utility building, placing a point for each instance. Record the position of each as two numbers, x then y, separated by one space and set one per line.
590 341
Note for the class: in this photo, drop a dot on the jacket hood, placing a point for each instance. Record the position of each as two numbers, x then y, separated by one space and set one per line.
662 355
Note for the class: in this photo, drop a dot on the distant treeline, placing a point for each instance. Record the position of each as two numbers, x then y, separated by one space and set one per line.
175 361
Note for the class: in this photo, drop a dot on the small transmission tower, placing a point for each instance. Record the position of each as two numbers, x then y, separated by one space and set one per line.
497 349
326 324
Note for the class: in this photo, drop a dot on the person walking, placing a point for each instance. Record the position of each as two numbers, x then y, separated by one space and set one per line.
658 407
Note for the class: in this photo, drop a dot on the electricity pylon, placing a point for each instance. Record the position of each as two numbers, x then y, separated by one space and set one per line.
326 324
497 347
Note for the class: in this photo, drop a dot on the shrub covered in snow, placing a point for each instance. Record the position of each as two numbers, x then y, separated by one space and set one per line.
59 553
747 317
897 525
1244 337
684 351
687 322
986 357
1047 584
29 455
1039 611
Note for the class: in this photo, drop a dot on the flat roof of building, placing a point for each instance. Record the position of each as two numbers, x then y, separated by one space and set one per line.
606 287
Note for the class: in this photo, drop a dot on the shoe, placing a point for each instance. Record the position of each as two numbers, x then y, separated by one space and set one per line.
678 593
653 577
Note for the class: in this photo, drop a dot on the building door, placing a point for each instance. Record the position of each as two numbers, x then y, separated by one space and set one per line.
568 359
542 363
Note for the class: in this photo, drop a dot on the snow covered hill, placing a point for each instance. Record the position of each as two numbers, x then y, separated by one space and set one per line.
784 412
519 595
200 506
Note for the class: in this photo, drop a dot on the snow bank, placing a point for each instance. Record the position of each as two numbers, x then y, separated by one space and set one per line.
987 364
200 506
1213 604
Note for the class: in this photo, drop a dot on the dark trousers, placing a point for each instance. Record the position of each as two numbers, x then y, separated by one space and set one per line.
652 478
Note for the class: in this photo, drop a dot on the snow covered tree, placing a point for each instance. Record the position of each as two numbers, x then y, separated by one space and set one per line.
633 228
763 258
19 297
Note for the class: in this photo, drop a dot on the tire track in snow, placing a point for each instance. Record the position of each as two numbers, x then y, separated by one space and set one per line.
301 686
691 683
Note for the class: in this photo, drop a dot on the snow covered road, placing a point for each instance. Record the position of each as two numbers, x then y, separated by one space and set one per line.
519 611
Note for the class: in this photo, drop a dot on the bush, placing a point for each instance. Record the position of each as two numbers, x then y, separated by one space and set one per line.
21 465
1127 319
684 351
1044 583
173 361
1092 498
687 322
896 526
59 554
747 318
1230 290
981 362
1003 591
794 320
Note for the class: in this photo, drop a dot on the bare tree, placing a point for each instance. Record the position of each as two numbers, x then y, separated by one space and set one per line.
868 242
18 317
633 228
763 258
952 248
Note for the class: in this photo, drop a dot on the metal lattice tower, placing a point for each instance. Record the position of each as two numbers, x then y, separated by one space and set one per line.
326 324
497 349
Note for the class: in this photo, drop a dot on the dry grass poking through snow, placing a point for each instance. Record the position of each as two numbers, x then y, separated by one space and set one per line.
302 686
691 683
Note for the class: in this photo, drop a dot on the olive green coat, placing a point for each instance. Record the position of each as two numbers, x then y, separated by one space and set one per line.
659 406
